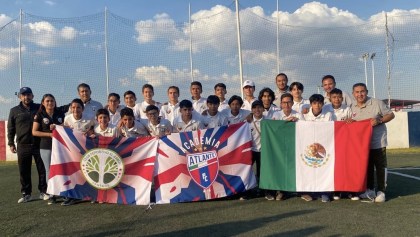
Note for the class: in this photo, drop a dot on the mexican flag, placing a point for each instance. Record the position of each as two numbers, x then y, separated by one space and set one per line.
308 156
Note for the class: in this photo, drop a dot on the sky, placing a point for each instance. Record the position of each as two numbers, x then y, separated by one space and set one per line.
47 37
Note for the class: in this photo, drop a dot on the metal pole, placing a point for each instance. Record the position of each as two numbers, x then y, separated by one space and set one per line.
106 52
20 48
238 29
365 57
191 59
373 75
388 61
278 45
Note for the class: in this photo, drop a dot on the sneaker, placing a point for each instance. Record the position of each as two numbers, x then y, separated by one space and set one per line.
92 201
354 197
325 198
44 196
68 202
369 194
25 198
336 197
269 197
52 200
380 197
306 197
243 198
279 196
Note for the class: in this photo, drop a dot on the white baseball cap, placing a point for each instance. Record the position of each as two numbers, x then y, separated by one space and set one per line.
248 83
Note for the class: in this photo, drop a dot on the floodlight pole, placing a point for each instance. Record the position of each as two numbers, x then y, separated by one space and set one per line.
365 57
191 59
278 44
238 30
373 74
20 47
106 52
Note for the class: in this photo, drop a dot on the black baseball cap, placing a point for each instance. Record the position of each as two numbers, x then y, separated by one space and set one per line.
25 90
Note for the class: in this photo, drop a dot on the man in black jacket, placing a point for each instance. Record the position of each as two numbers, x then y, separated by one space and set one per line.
20 124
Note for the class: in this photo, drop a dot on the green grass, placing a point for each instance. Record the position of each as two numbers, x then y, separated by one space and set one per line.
256 217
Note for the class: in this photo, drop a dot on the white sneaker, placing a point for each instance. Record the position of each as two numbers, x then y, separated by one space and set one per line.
325 198
336 197
380 197
369 194
25 198
44 196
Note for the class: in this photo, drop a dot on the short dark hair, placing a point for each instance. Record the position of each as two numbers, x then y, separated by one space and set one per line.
286 95
316 98
102 111
235 97
127 112
212 99
185 104
129 93
78 101
360 84
147 86
220 85
197 83
283 74
270 93
336 91
174 87
328 77
114 95
152 107
296 84
83 85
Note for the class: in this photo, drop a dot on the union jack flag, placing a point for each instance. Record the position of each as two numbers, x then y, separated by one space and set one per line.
127 182
204 164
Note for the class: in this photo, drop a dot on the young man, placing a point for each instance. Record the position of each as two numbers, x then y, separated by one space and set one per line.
266 96
299 104
129 127
140 108
104 128
114 108
282 87
91 106
199 103
20 123
379 114
339 110
328 83
170 109
157 127
214 118
220 91
248 89
235 114
286 112
187 120
316 113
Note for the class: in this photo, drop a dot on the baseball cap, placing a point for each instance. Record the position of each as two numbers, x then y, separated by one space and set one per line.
257 103
248 83
25 90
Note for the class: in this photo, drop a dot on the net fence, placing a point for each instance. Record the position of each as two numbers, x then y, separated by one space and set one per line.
115 54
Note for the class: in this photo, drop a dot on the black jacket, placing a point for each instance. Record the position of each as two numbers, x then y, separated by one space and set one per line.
20 124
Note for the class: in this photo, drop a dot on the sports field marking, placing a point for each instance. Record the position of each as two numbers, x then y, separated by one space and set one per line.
407 168
404 175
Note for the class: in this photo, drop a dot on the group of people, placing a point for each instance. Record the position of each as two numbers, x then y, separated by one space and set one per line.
32 124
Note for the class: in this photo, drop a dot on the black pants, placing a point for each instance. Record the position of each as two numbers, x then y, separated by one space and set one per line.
25 153
378 162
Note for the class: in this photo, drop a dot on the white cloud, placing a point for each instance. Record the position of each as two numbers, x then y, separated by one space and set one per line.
50 3
45 34
4 100
9 57
48 62
4 19
125 81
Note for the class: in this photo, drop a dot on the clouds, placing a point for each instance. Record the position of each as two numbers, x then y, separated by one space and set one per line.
9 57
44 34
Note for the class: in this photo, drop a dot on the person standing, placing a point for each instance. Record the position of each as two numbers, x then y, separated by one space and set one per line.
44 123
370 108
19 124
91 106
282 87
328 84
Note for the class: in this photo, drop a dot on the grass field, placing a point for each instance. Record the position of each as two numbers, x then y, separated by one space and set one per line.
399 216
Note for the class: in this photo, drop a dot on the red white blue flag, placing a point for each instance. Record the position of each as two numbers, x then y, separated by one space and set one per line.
204 164
104 169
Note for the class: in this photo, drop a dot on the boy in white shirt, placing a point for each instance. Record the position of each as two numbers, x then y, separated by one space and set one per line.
213 117
140 108
299 104
248 89
76 120
266 96
129 127
316 113
339 110
170 109
114 108
234 113
220 91
104 128
156 126
187 120
199 103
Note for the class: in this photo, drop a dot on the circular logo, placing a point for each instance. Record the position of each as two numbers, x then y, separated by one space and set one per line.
315 155
102 168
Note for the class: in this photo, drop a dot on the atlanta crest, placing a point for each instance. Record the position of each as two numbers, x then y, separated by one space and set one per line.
203 167
315 155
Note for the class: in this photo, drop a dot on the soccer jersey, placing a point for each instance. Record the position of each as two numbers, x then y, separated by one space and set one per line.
219 119
200 105
299 106
240 117
138 130
140 109
81 125
161 129
169 111
247 105
223 105
256 134
110 131
271 112
194 124
323 116
340 114
114 118
293 114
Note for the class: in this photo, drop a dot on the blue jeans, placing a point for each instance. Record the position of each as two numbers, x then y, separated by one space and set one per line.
46 159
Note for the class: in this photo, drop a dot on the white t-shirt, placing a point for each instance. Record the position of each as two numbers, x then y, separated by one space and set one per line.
82 125
220 119
340 114
169 111
236 119
323 116
110 131
194 124
200 105
247 105
140 109
299 106
160 129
